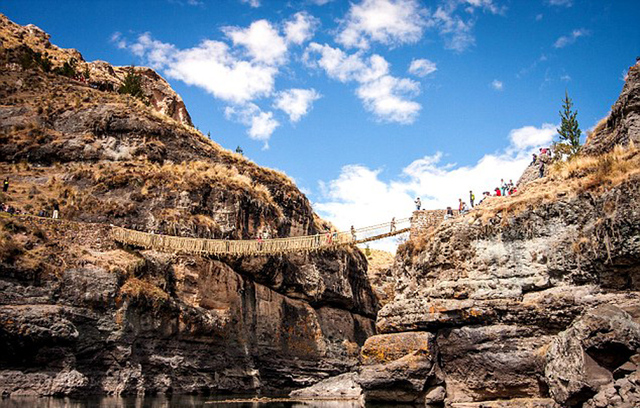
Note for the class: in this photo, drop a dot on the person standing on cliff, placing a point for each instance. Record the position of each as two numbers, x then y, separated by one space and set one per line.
5 185
56 211
418 203
353 233
393 225
472 198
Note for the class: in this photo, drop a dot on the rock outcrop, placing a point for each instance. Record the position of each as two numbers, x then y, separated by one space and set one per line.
528 300
80 314
622 126
599 346
19 44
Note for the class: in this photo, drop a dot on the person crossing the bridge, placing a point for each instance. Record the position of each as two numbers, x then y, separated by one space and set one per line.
393 225
418 203
353 233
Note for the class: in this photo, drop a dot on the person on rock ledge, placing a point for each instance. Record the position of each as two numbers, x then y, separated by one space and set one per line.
449 213
472 198
5 185
418 203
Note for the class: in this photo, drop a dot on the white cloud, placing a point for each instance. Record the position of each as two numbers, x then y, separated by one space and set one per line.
360 197
211 65
261 124
571 38
456 31
531 136
390 22
296 102
236 74
343 67
252 3
320 2
386 96
301 28
497 85
117 39
262 41
422 67
562 3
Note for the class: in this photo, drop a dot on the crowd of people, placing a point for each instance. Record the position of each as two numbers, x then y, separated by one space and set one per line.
504 188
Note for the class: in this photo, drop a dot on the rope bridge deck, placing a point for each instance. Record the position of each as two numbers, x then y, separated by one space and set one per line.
308 243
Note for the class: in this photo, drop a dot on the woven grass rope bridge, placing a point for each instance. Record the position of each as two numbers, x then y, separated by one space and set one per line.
307 243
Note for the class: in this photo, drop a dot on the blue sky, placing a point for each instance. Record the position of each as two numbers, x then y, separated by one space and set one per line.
368 103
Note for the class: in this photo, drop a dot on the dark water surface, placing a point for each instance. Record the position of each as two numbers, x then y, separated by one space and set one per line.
170 402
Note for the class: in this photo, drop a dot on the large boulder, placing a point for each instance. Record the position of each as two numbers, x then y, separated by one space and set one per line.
582 359
343 386
492 362
398 367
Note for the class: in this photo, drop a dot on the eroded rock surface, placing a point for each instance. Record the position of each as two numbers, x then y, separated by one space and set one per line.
80 314
535 304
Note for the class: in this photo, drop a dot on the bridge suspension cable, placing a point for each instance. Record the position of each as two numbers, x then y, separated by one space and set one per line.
273 246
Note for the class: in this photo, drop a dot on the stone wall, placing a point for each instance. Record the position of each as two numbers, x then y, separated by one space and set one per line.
423 220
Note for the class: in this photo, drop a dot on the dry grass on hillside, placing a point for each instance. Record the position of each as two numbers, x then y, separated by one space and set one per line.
379 259
139 289
575 176
581 174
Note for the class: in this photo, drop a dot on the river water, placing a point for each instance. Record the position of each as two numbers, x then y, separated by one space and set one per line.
170 402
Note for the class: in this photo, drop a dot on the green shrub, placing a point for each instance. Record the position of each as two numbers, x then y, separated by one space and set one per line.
132 84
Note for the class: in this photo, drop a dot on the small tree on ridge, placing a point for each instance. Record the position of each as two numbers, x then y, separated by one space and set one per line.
132 84
569 130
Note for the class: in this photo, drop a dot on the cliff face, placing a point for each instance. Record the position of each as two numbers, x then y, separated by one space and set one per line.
80 314
622 126
528 300
19 45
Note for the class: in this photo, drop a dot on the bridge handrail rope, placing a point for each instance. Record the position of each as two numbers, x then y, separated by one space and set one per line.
251 247
325 240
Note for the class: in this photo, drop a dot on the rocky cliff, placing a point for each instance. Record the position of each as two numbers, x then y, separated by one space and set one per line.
29 46
80 314
531 300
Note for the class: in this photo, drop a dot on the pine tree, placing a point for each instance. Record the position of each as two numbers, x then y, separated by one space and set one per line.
132 84
569 130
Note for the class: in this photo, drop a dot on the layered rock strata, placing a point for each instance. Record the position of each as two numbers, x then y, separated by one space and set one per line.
530 300
80 314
